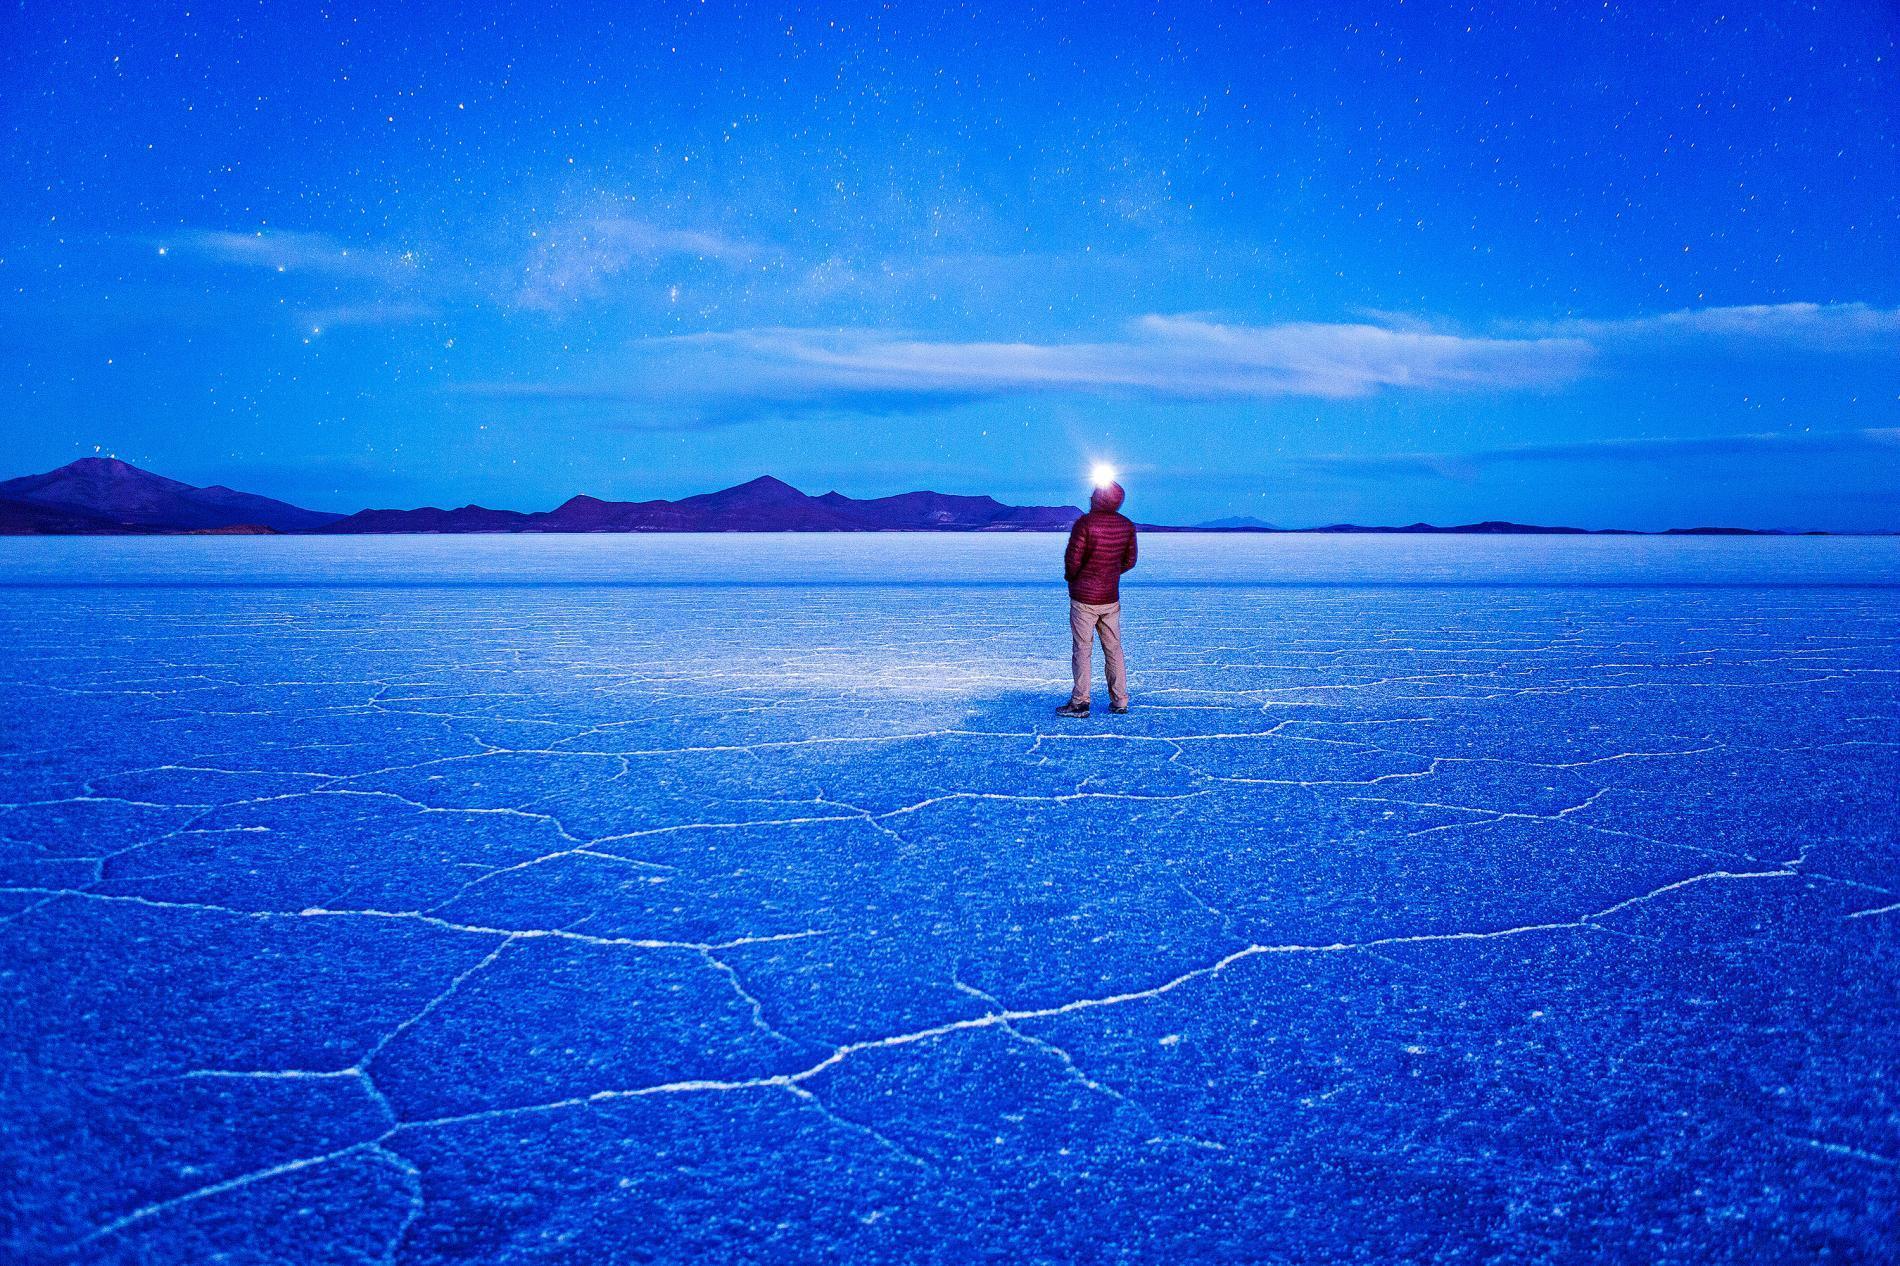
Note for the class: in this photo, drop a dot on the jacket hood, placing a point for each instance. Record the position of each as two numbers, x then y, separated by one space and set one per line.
1107 498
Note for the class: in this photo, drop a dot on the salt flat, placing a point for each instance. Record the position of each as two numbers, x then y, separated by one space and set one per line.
707 899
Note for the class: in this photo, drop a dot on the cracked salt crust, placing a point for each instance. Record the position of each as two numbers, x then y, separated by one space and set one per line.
846 845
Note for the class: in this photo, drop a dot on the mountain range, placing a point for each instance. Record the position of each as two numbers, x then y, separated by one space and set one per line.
103 496
763 505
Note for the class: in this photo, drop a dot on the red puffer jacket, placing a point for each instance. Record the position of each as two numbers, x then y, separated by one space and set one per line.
1101 548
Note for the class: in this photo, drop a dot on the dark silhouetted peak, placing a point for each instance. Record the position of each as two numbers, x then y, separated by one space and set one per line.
96 477
764 490
767 483
108 467
120 493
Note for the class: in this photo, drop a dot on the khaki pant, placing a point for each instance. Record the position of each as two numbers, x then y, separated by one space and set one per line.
1086 620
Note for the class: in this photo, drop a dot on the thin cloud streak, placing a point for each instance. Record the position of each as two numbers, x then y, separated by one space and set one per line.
1844 327
1162 357
290 252
1181 358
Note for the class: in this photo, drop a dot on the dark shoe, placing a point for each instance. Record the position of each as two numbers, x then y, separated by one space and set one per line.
1073 710
1119 709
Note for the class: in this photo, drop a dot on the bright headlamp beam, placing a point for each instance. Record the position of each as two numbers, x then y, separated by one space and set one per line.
1102 474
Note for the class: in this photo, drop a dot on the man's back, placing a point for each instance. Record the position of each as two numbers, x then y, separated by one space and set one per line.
1101 548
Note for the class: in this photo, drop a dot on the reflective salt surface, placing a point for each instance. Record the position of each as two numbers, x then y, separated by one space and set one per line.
740 899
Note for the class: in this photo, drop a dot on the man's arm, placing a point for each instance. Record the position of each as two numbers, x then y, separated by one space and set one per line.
1128 555
1077 553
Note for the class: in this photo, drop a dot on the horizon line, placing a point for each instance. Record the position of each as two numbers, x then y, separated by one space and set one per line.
1219 525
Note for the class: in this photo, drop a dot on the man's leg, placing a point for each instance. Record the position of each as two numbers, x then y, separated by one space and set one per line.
1082 647
1110 627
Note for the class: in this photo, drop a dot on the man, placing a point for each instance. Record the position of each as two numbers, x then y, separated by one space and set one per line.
1101 548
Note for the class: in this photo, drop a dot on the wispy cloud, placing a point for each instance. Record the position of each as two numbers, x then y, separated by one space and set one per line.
577 259
290 252
1812 326
1876 442
1163 357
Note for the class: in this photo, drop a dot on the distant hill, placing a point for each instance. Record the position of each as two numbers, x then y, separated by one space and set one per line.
1491 527
102 496
941 510
1729 531
427 519
118 497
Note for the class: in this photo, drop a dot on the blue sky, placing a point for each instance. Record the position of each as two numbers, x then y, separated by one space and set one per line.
1631 265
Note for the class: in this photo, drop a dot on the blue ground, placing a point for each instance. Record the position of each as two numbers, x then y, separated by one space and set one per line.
557 922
